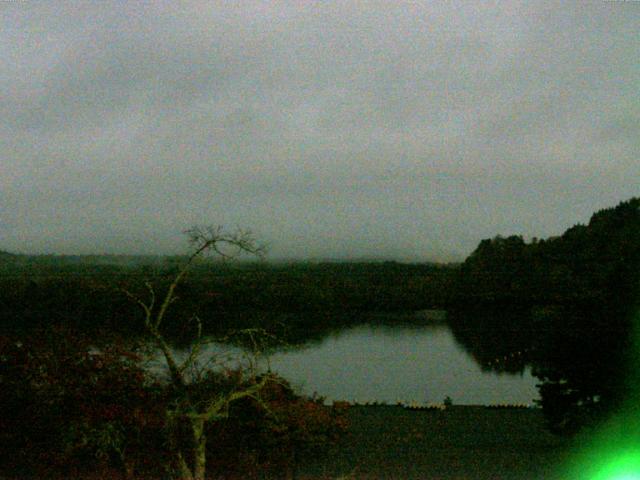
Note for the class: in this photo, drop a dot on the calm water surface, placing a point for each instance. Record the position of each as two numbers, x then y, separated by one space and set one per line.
388 364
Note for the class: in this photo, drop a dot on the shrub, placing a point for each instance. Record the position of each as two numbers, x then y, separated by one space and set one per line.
65 403
73 411
274 433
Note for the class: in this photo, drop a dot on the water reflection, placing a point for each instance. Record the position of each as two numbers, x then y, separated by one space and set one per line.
378 363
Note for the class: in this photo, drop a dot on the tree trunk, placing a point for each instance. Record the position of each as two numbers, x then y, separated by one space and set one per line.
184 472
183 469
290 473
200 451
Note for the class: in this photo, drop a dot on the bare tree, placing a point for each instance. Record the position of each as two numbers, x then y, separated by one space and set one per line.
188 410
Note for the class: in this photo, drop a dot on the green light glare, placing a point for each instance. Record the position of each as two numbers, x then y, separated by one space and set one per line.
613 451
624 467
603 461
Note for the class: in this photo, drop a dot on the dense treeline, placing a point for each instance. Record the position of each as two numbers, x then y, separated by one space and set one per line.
295 301
564 305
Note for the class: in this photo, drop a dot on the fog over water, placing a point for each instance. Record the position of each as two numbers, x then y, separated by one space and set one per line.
346 129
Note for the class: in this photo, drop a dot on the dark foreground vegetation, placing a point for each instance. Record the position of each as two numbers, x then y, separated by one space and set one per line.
77 401
69 411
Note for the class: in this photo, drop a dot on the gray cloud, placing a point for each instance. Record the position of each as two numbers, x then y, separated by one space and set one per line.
407 130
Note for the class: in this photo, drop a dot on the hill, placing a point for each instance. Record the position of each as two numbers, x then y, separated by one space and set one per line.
562 306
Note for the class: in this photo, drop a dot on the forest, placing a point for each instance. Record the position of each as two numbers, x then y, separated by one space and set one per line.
294 300
568 304
71 328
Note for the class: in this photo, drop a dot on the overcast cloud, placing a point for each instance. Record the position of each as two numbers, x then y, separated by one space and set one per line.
350 129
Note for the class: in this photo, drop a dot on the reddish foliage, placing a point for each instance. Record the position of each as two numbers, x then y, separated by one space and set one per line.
274 438
66 403
70 409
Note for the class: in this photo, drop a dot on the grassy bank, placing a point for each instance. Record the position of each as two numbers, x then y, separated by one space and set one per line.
461 442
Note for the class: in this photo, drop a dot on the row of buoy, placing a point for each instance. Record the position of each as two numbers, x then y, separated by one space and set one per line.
513 355
429 406
408 406
508 405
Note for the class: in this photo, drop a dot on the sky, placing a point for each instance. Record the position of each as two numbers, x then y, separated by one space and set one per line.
395 130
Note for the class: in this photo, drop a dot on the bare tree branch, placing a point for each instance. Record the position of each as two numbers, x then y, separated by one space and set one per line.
145 307
195 349
226 246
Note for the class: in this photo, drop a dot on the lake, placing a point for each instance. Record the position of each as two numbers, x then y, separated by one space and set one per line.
380 363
